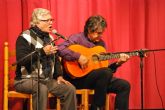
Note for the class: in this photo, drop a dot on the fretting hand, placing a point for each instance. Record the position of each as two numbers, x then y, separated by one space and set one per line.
123 58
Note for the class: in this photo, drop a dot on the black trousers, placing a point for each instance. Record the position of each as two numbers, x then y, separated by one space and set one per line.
97 80
102 82
121 88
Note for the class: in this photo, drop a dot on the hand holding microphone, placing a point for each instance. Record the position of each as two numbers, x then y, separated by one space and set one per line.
49 49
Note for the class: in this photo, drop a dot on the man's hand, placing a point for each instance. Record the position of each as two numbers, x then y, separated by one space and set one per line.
60 79
49 49
123 58
83 61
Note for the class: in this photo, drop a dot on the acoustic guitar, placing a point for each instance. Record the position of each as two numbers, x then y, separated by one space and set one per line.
97 56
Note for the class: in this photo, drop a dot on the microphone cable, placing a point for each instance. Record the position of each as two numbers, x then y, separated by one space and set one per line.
156 82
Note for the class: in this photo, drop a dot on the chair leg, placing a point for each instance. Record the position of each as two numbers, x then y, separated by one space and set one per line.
82 101
5 100
85 98
5 104
58 104
107 102
31 104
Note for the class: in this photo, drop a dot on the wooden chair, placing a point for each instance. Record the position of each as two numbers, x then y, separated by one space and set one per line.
13 94
84 105
85 93
7 69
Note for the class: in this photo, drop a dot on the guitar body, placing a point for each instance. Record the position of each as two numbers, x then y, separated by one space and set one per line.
73 67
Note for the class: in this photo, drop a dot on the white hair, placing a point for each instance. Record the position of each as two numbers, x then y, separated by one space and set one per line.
38 15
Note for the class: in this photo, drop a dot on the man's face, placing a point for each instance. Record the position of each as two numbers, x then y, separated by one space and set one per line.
96 35
45 23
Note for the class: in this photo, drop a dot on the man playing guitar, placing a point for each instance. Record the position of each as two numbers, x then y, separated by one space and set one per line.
101 78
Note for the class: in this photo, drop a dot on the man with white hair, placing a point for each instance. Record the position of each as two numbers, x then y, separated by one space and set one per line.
37 38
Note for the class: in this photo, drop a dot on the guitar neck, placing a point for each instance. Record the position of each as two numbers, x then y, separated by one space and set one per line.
108 56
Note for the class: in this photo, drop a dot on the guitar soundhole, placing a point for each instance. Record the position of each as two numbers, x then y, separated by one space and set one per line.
95 57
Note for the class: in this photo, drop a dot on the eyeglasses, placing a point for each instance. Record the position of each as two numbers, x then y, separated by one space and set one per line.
47 20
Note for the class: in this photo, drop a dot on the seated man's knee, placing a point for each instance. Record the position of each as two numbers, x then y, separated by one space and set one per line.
71 89
126 85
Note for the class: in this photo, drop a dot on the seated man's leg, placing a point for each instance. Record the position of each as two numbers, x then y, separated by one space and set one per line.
98 80
121 88
66 93
30 86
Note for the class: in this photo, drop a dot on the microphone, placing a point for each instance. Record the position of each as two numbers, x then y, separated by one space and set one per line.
56 33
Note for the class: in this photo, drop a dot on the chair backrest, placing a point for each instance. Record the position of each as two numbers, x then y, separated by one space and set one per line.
8 68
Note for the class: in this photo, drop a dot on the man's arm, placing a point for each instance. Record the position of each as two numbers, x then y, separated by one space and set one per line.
66 53
23 48
123 58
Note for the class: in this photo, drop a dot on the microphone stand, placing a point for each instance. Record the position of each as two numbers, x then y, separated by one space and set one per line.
141 54
38 66
38 78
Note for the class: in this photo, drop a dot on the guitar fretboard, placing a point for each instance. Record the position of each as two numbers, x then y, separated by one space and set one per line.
108 56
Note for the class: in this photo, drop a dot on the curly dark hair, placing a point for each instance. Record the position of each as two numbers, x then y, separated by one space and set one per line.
93 23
